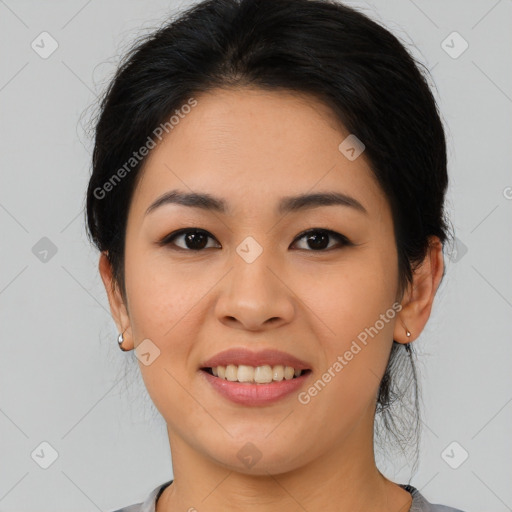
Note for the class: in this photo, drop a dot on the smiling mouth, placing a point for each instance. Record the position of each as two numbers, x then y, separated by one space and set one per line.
265 374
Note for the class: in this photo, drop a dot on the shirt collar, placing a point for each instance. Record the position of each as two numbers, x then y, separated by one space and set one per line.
419 503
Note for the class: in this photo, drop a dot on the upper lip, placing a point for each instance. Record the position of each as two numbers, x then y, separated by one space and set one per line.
243 356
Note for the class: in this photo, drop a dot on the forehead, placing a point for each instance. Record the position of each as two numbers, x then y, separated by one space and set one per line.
252 146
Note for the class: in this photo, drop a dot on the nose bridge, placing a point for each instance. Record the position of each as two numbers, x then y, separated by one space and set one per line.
254 293
251 272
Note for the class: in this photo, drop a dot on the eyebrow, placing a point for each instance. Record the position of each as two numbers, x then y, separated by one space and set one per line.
288 204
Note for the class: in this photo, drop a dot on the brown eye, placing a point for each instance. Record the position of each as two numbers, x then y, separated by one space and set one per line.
193 239
318 239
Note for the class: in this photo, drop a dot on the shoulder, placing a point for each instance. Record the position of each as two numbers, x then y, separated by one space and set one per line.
443 508
130 508
149 504
421 504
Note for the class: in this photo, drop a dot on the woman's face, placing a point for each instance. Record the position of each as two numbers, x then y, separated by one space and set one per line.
252 280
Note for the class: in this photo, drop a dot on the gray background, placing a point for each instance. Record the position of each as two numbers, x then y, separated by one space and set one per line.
62 378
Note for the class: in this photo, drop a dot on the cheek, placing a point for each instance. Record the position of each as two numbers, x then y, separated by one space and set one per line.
161 301
353 308
350 296
161 295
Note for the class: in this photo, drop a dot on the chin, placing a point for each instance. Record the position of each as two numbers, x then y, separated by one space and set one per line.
258 457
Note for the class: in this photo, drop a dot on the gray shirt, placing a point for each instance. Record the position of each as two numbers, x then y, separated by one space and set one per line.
419 503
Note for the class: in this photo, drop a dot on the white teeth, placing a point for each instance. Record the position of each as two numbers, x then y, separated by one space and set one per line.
245 373
231 372
278 372
263 374
288 372
259 374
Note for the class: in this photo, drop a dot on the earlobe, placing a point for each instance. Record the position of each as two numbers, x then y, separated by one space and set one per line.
115 299
419 297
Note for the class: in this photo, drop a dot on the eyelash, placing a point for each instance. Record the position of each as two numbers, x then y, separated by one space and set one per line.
168 240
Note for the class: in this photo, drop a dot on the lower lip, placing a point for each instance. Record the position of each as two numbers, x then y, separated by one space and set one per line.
255 394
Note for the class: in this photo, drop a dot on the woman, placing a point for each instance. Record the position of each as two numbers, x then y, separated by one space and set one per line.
268 198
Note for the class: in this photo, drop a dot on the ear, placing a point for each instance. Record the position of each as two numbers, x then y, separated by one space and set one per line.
115 299
418 299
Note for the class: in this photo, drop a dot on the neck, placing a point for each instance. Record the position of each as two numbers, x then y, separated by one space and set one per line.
342 479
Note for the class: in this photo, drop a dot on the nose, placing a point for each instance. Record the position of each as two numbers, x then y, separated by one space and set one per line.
255 296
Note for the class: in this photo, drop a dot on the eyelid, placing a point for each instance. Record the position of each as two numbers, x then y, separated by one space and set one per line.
323 230
166 240
334 234
344 241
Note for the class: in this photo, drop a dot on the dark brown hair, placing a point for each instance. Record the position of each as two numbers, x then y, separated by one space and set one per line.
319 47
